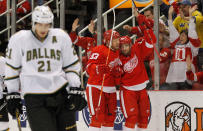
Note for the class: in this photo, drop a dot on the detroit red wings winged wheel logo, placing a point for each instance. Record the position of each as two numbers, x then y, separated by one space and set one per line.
131 64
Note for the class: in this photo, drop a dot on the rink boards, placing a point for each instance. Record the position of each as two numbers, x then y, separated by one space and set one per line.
170 111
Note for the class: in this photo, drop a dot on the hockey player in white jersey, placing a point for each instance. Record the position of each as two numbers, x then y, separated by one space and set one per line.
3 111
43 65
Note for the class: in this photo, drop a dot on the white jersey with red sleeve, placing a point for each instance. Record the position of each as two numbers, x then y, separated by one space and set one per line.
178 65
135 76
99 56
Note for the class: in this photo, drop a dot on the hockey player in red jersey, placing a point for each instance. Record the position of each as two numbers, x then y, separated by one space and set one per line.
133 95
98 65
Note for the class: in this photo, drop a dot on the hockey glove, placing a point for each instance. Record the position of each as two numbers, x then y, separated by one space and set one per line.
14 103
76 99
102 69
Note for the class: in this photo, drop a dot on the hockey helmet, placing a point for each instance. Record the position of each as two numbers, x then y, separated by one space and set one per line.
42 14
125 40
107 35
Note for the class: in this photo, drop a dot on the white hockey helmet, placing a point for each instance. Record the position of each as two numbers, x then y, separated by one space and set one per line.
42 14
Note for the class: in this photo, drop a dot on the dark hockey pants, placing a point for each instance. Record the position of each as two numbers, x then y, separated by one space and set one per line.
49 113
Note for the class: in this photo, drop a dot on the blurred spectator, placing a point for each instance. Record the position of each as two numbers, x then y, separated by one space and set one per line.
145 21
184 44
3 6
87 43
165 55
181 22
24 8
196 78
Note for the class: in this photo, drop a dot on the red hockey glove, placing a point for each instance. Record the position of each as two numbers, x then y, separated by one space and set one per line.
149 36
102 69
117 72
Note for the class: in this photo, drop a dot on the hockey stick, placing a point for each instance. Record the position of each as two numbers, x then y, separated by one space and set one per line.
3 105
107 59
18 120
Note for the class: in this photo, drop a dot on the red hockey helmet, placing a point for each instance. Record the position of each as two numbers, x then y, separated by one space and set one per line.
107 35
125 40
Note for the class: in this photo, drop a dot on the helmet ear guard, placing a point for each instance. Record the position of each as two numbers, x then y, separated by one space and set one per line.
42 14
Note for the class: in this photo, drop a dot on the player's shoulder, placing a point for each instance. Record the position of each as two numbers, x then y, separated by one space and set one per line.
99 48
20 34
196 13
2 59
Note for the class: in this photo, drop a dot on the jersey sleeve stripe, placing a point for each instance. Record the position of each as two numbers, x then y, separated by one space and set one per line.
72 71
14 68
74 63
11 78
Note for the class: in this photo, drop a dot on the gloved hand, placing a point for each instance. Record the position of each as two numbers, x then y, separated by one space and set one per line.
117 72
76 99
102 69
14 103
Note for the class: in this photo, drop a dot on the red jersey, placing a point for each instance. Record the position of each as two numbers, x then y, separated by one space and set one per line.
165 55
143 23
195 77
98 56
24 8
135 76
3 6
87 43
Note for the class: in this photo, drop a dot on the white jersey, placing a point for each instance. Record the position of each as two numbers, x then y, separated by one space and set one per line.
40 67
2 74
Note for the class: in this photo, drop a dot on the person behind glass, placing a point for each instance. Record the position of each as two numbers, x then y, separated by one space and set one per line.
134 79
164 62
42 63
183 44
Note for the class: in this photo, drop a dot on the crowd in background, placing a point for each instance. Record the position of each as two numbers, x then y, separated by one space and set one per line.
180 40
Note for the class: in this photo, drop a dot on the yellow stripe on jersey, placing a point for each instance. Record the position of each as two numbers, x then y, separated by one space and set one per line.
12 67
11 78
182 24
70 127
74 63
